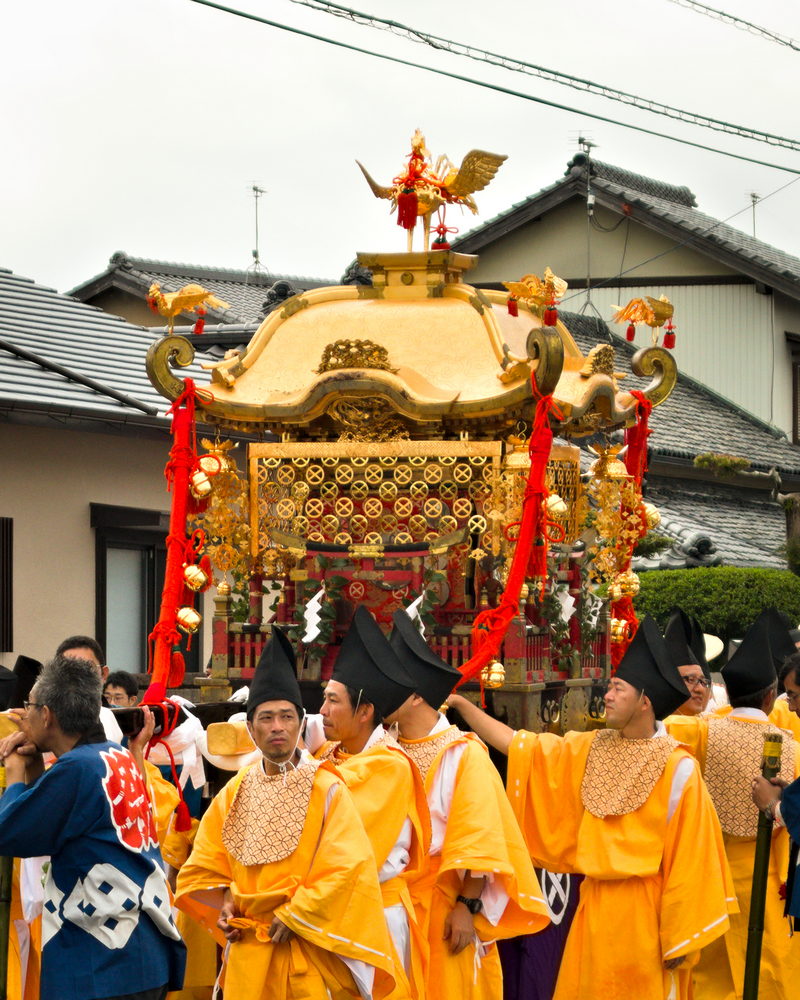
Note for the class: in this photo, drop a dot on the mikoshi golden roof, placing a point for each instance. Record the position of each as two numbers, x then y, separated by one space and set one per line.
419 353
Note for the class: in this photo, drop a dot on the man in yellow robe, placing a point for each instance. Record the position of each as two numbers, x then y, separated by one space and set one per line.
369 683
479 885
729 751
281 865
627 808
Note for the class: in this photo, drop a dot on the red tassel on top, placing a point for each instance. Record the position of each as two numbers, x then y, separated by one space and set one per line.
200 322
407 204
513 308
669 335
550 315
630 333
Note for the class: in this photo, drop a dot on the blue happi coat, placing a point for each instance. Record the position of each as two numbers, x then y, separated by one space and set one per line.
107 926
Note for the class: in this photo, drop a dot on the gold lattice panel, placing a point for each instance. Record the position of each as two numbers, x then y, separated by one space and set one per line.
389 493
563 476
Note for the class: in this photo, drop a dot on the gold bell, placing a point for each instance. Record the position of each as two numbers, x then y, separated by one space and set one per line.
556 507
223 588
194 577
188 620
620 630
493 674
213 463
652 515
199 484
626 584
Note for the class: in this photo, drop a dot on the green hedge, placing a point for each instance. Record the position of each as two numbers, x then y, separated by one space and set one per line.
726 600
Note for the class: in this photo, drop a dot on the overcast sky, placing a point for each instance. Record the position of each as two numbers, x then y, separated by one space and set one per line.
142 125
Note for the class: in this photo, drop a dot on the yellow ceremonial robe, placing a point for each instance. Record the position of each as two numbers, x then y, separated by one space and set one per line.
386 789
784 718
325 891
720 972
656 889
481 836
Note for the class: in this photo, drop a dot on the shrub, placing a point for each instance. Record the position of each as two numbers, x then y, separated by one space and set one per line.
726 600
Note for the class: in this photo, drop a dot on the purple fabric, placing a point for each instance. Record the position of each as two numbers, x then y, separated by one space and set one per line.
530 963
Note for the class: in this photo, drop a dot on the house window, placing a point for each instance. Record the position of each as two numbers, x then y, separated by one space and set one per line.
6 584
130 547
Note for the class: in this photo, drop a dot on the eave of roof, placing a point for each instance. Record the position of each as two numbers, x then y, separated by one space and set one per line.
666 209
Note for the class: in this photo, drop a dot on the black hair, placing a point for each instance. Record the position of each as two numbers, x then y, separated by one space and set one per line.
122 679
755 700
82 642
790 666
70 688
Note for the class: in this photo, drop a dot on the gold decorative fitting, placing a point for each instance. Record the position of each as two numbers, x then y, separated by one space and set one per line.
200 485
556 508
620 630
652 515
493 674
625 585
224 588
188 620
354 354
194 577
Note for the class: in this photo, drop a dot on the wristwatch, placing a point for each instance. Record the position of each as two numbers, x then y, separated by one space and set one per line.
473 905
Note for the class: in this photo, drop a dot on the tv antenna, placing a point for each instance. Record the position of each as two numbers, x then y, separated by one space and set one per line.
257 267
755 199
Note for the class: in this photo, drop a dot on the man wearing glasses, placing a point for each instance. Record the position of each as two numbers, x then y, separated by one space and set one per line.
729 750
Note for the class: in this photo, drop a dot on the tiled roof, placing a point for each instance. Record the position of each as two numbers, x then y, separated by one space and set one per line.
746 526
244 291
695 420
668 208
61 357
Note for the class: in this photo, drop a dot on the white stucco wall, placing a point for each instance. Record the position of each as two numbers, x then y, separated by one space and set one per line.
48 479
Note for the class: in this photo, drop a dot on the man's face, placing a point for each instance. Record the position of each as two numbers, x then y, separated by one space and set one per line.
699 689
84 653
33 725
338 718
622 701
118 696
275 729
792 692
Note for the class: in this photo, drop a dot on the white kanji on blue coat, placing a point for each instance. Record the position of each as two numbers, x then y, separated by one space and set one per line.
105 904
51 908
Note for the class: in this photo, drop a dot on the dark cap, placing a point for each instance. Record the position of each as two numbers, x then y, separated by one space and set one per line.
368 664
433 678
649 666
275 677
752 668
26 671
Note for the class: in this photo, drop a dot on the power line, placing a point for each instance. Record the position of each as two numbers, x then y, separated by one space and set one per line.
487 86
551 75
676 246
738 22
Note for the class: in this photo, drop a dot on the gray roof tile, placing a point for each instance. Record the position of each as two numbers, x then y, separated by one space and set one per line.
244 291
672 205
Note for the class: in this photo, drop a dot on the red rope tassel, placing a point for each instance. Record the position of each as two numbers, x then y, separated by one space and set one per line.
490 626
636 464
407 203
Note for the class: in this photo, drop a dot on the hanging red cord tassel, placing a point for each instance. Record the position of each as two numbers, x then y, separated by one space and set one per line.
630 333
636 464
183 818
669 335
407 203
550 317
200 322
513 308
490 626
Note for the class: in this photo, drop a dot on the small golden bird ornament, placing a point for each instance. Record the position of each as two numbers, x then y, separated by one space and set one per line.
654 313
190 298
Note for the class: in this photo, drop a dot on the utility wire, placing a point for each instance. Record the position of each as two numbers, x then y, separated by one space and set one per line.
551 75
677 246
738 22
488 86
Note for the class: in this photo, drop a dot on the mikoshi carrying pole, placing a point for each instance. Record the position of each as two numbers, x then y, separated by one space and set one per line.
770 768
